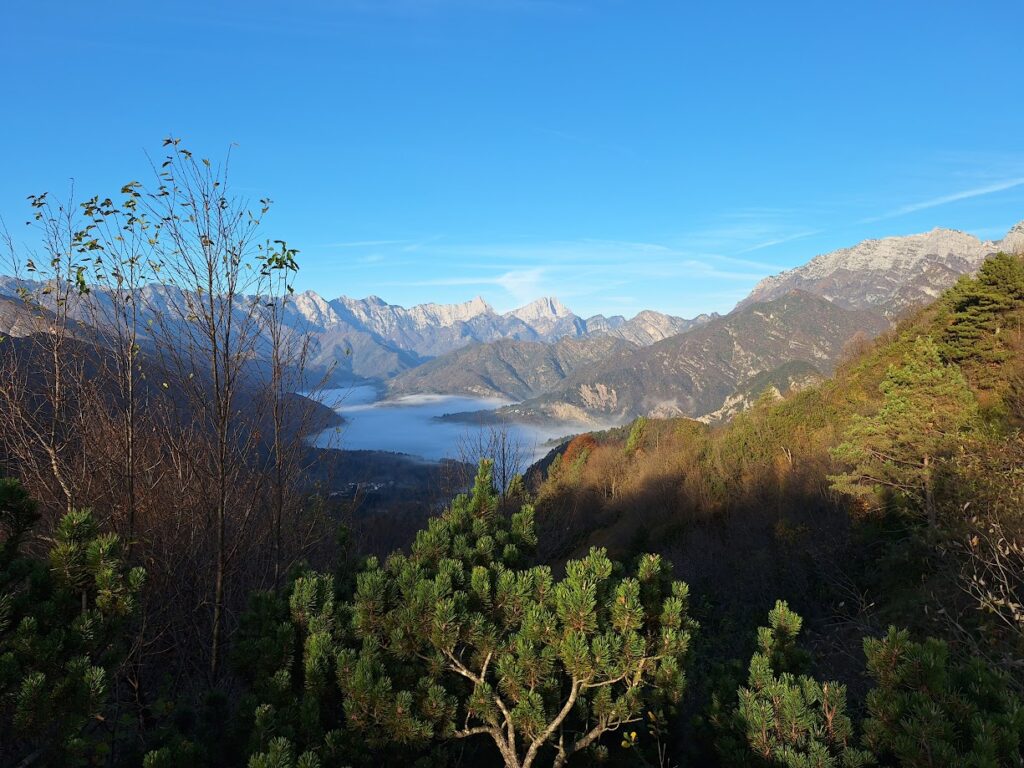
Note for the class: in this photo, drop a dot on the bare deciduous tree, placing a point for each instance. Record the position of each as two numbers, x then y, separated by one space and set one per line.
211 321
155 379
495 441
993 578
44 372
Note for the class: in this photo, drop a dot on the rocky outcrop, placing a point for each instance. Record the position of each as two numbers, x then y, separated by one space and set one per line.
890 275
787 378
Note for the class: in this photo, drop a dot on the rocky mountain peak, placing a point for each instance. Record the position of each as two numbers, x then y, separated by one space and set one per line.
478 305
1014 240
545 308
449 314
889 274
312 307
648 314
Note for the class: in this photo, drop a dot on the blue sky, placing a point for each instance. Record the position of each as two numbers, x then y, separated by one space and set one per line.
620 154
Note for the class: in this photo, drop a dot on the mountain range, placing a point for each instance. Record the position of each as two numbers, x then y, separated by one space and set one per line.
373 340
369 338
694 373
791 327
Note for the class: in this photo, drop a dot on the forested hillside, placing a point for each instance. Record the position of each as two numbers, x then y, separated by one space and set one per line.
693 374
507 368
832 578
888 495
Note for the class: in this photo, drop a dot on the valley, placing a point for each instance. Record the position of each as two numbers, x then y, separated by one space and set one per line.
512 384
554 366
548 372
416 425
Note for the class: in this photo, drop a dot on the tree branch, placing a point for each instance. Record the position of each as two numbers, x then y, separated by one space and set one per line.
553 726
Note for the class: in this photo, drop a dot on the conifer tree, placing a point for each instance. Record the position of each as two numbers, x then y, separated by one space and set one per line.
929 710
17 515
978 316
926 406
636 435
459 639
287 651
281 754
784 718
62 630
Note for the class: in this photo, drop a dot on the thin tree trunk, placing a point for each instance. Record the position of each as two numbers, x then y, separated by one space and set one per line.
929 495
218 587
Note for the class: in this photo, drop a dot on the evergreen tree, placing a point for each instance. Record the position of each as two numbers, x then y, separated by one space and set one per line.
636 435
281 754
787 719
458 639
62 632
287 651
926 407
17 516
928 710
977 313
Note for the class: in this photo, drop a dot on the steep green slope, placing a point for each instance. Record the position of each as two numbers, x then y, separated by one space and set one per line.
748 511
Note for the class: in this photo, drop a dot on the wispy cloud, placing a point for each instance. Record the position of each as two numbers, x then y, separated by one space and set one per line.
598 273
691 268
522 284
746 231
365 243
415 245
779 241
683 273
934 202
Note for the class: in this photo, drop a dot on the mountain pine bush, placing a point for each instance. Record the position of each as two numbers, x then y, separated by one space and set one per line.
460 639
929 709
63 631
287 651
786 718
